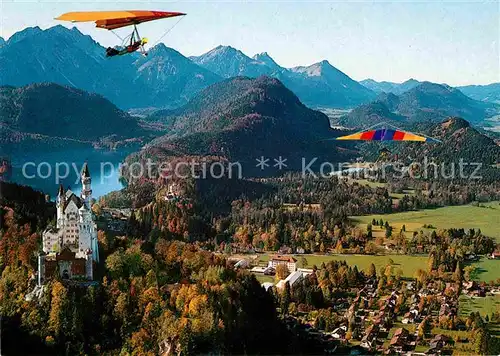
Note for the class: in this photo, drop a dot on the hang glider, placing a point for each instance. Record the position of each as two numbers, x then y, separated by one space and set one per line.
387 134
112 20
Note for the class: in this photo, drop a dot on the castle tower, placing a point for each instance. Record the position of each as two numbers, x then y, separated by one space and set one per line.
60 202
86 194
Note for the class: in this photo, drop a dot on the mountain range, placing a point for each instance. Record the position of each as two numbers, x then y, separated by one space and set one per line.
238 120
67 57
242 119
222 103
165 78
457 135
168 79
459 140
50 116
461 146
488 93
228 62
317 85
424 102
390 87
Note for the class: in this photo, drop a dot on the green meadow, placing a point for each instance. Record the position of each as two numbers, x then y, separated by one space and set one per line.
485 217
487 270
485 306
408 264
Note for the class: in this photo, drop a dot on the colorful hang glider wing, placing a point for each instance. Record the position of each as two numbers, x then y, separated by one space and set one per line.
387 135
111 20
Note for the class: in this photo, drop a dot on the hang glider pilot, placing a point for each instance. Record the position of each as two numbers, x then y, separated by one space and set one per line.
112 20
132 47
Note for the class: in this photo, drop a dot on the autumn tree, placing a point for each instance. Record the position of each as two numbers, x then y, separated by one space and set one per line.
281 271
457 275
424 328
372 271
481 340
58 307
421 276
469 272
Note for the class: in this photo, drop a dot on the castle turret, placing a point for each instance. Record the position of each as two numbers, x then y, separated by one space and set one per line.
61 191
60 202
86 194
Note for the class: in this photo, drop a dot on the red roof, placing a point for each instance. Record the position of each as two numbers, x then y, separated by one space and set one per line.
289 259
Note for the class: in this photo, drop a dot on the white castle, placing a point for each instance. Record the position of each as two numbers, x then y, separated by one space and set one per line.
71 246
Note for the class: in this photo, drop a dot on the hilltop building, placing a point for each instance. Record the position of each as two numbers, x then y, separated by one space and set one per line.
70 247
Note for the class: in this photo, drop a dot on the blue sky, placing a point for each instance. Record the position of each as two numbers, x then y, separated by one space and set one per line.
445 42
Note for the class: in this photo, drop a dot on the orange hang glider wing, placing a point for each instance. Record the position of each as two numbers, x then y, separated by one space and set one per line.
111 20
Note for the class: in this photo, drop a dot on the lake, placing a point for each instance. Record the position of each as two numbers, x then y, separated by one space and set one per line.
45 171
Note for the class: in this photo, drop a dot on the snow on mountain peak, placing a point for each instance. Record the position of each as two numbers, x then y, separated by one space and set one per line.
266 59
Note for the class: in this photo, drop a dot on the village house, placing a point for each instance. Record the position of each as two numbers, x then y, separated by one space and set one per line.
399 340
471 288
495 255
300 250
447 309
412 317
339 333
341 304
285 250
383 322
437 344
369 340
471 257
410 286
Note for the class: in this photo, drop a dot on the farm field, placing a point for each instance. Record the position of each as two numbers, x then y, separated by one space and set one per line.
486 217
408 264
485 306
487 270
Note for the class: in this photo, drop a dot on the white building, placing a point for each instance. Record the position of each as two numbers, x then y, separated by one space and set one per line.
288 261
292 278
241 264
75 231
